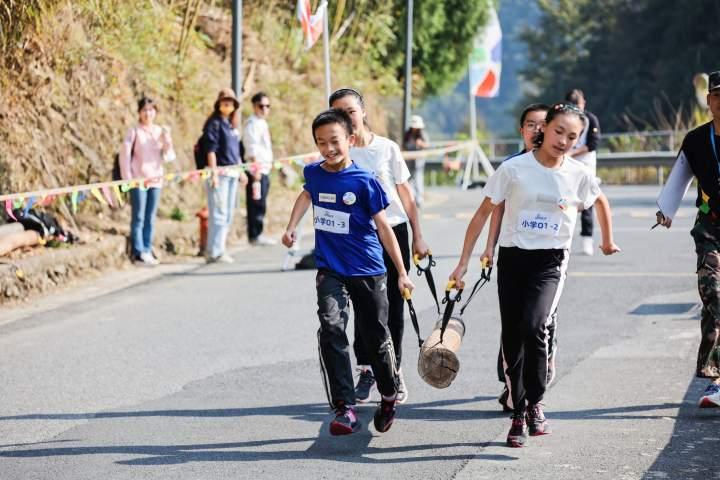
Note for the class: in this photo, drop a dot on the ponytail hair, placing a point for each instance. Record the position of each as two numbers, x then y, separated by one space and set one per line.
555 111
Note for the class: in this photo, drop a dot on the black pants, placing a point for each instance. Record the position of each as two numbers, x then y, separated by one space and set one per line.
256 208
396 304
586 222
529 286
552 349
334 293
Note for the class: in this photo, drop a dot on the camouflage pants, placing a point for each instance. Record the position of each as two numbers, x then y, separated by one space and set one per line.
707 247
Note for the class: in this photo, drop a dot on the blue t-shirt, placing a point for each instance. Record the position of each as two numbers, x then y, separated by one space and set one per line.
344 203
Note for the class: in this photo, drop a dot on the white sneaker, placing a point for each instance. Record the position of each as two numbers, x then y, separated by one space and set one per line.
264 241
224 258
587 246
148 259
402 393
710 397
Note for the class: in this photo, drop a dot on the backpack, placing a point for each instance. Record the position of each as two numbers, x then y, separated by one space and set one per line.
116 172
199 153
201 156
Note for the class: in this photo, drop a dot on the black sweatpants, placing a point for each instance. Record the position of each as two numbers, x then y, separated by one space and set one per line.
586 222
256 208
396 303
552 349
530 283
334 294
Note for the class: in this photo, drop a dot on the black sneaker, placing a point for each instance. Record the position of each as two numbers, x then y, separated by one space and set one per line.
537 424
518 434
345 422
365 384
385 415
503 400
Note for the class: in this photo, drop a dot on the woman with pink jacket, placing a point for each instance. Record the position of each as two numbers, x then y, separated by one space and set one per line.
143 153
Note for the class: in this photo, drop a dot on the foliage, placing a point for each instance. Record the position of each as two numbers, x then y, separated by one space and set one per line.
374 31
635 59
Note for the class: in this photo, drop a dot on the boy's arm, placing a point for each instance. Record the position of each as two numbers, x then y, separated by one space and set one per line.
602 207
493 233
471 235
302 203
419 247
388 240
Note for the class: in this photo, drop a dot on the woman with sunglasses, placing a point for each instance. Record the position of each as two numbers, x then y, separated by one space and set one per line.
382 156
543 190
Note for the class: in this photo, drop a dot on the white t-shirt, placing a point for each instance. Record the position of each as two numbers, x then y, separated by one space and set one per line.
256 139
541 203
382 157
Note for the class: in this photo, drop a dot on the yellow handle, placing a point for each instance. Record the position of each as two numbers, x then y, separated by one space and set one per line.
485 262
416 257
450 285
406 293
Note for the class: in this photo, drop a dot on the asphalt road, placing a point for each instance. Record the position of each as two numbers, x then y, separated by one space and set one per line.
210 372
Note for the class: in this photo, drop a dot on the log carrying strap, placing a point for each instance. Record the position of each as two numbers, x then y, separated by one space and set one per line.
413 315
428 276
450 301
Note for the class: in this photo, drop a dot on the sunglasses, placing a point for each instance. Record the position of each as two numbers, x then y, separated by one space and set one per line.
264 105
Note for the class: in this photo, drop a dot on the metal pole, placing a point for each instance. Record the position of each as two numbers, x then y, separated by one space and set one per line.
473 114
408 67
237 74
237 46
326 48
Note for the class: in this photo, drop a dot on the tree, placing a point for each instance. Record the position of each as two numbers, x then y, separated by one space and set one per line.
634 59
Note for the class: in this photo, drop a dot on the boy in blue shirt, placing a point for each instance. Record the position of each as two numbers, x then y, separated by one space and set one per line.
348 203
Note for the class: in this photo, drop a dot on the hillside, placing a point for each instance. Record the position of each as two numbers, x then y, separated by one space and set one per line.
70 89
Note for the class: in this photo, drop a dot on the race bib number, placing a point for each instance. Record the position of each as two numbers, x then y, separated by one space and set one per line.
539 223
331 220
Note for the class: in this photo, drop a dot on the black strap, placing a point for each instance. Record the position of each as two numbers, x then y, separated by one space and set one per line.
484 279
451 301
429 277
413 317
449 307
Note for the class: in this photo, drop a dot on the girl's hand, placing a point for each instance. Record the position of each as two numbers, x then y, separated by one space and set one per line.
405 283
458 274
288 238
610 248
487 254
243 179
420 248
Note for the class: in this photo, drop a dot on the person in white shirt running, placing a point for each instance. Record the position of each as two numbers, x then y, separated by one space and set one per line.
543 191
382 156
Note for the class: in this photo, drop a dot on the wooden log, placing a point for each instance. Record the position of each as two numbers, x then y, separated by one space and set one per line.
27 238
11 228
438 364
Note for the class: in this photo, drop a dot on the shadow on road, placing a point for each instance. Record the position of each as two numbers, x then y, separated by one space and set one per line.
692 453
354 448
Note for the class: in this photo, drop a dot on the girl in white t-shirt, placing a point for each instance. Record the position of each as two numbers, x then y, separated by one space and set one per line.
542 190
382 156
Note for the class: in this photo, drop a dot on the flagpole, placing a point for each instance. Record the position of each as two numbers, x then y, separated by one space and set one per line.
408 68
237 47
473 113
326 48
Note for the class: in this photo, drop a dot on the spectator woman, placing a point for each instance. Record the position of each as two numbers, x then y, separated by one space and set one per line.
145 148
222 145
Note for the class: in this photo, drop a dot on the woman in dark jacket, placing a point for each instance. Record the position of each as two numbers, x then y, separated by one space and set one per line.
222 146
